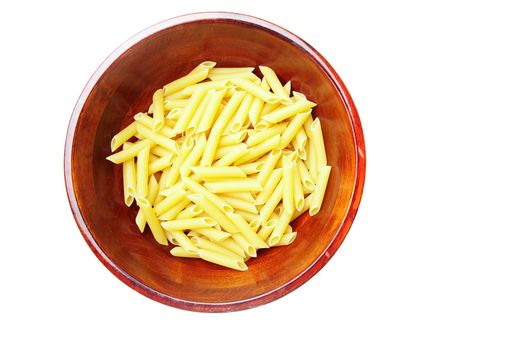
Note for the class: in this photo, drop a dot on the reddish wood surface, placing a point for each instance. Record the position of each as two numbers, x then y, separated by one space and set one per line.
124 84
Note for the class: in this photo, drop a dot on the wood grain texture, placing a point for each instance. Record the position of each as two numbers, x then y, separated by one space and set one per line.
124 84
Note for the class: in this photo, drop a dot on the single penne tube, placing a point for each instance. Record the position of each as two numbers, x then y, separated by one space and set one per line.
214 212
223 260
241 115
170 102
148 122
280 228
288 185
213 234
181 253
208 85
320 189
223 151
254 112
269 187
236 152
218 172
232 139
159 139
262 125
174 172
219 126
293 128
311 160
256 90
207 65
288 111
275 84
189 212
234 185
258 150
237 203
268 166
188 224
199 112
174 212
267 229
272 202
129 153
299 141
251 168
159 164
153 223
123 135
307 126
255 223
153 190
194 156
305 208
129 177
298 194
244 196
162 152
142 174
211 111
189 111
260 136
231 70
241 241
248 233
204 243
169 202
286 239
182 240
197 188
270 107
158 110
191 78
240 75
231 245
318 142
304 175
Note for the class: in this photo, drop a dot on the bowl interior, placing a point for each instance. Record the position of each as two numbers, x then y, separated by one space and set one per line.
126 88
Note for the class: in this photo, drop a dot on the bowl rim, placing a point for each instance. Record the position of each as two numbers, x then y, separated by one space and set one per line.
343 228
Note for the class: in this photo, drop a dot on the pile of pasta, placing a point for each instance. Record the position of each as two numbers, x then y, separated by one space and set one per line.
222 163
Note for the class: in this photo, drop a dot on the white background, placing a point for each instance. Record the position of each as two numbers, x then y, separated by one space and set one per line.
435 258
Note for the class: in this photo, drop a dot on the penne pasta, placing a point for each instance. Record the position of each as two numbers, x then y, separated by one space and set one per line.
288 185
241 115
260 136
142 175
223 260
194 156
129 153
257 104
218 172
220 84
204 243
181 253
188 224
267 229
214 234
244 196
268 166
318 143
305 208
129 177
280 228
244 244
286 239
153 189
231 245
234 185
256 90
211 110
251 168
269 186
304 175
258 150
272 202
148 122
240 204
235 152
158 139
189 212
232 139
214 212
153 223
174 212
191 78
195 102
182 240
169 202
199 112
158 110
320 188
293 128
159 164
174 172
298 194
249 234
212 197
275 85
123 135
288 111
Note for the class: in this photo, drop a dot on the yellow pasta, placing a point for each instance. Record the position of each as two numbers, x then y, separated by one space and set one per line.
129 176
234 185
288 185
223 260
123 136
320 188
224 162
158 110
275 84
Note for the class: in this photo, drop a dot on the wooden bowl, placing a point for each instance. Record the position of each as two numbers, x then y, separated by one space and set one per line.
124 84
